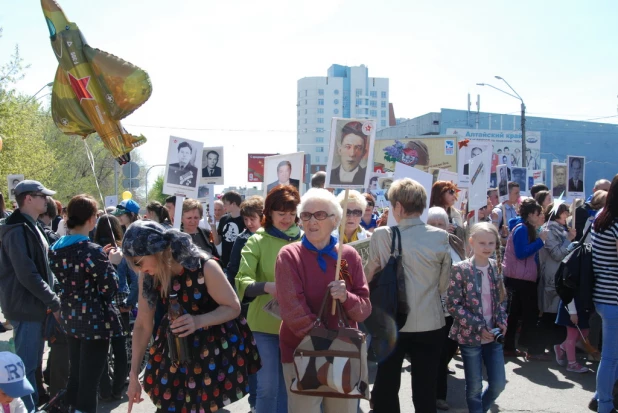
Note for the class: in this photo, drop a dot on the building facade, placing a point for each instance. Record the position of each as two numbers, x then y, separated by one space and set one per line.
346 92
559 137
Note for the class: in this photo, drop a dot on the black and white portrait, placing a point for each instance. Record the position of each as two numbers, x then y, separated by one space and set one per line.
503 190
182 175
12 181
212 166
351 150
576 176
519 175
558 179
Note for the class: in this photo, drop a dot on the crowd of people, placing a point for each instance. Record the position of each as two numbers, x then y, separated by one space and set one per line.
220 302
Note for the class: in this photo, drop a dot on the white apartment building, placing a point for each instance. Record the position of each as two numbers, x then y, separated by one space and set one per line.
346 92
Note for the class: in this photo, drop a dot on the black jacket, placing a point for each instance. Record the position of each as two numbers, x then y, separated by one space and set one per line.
26 282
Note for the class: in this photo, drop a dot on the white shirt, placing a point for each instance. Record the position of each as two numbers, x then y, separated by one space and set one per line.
347 176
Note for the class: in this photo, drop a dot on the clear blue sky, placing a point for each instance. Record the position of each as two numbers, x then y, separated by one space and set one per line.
234 65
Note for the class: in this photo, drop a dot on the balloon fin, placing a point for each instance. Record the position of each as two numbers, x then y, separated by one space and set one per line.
66 110
132 141
126 87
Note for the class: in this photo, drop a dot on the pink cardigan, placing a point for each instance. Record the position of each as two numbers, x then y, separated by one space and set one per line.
301 285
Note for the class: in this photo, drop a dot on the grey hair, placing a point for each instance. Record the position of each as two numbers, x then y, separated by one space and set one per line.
437 213
601 182
354 197
324 196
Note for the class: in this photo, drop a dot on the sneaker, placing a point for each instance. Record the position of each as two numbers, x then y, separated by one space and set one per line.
442 404
560 355
593 405
577 368
7 325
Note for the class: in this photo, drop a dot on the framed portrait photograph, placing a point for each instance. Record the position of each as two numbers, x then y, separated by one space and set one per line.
212 166
467 153
284 170
350 153
520 175
181 174
12 181
575 186
558 179
503 182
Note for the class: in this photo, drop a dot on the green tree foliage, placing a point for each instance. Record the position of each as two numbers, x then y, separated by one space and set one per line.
156 193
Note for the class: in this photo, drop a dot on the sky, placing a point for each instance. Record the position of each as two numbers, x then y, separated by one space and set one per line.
226 72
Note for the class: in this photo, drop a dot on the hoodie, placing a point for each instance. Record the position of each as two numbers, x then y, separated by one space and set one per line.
27 281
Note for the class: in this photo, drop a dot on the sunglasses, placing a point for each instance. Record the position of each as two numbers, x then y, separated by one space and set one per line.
354 213
319 215
370 204
137 263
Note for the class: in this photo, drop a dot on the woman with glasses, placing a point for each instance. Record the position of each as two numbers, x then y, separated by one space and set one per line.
203 352
304 272
88 282
370 219
444 195
352 231
255 281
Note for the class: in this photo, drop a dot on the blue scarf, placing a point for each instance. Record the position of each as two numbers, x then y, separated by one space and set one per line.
292 234
327 250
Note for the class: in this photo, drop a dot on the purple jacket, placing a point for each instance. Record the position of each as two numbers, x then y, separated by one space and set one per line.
520 256
464 302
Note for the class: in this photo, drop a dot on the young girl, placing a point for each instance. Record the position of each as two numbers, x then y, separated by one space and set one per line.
477 301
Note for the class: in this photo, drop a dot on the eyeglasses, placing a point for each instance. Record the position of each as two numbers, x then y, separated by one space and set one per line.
354 213
370 204
137 263
319 215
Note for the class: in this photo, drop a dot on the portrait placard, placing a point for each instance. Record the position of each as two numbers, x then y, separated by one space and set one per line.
466 153
520 175
503 183
577 177
423 178
212 166
181 174
558 179
284 170
12 181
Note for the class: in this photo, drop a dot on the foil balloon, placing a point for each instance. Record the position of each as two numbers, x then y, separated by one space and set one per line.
93 90
126 195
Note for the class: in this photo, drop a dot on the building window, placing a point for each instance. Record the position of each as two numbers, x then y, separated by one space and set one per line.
336 111
320 110
336 92
383 123
320 120
319 129
336 101
359 102
383 104
319 139
321 92
316 158
305 111
305 101
305 93
373 94
359 92
319 149
383 95
359 111
374 103
383 113
373 113
321 102
305 120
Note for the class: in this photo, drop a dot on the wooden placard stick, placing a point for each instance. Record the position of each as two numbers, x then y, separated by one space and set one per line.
341 234
573 209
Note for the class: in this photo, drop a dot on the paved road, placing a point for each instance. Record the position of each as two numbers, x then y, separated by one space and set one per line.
531 387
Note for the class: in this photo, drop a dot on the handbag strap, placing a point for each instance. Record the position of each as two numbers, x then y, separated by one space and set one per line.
343 320
396 236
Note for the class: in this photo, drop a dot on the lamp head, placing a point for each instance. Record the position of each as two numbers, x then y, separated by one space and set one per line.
480 84
498 77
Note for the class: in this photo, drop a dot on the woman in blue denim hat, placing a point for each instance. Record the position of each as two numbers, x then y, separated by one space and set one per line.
221 351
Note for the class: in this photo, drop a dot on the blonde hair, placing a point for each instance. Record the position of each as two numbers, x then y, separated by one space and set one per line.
163 274
354 197
410 194
489 228
190 204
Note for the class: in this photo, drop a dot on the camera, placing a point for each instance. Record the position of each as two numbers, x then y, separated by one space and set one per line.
498 336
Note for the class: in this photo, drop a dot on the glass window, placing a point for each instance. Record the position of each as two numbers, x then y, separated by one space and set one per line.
359 102
305 93
383 104
359 111
383 123
319 139
320 110
320 120
359 92
319 149
373 113
383 95
321 102
374 104
336 111
321 92
305 101
383 113
316 158
336 101
319 129
373 94
336 92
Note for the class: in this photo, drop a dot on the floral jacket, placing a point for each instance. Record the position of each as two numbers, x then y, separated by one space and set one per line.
463 302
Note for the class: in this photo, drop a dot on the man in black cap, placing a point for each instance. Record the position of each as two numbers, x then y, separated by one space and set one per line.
27 281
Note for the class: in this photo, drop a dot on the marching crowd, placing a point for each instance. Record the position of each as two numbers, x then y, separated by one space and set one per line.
231 304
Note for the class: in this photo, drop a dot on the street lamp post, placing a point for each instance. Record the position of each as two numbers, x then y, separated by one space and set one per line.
523 115
50 84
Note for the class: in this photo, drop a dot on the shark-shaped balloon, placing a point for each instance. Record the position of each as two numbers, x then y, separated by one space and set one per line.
93 90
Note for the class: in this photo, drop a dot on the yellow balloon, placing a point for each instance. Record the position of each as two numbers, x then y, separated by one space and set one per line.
126 195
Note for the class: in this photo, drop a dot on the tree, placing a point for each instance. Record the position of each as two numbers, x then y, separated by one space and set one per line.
156 193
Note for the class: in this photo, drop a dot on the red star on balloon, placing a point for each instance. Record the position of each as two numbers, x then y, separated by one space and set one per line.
80 87
463 143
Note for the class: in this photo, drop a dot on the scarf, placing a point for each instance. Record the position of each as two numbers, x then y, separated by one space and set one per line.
289 235
327 250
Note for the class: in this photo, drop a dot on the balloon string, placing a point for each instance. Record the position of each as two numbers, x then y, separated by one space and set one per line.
96 180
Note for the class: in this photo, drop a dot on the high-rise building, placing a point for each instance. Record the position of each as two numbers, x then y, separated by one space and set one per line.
346 92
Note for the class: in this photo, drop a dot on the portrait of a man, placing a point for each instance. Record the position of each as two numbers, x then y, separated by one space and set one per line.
519 176
476 151
351 148
183 172
503 182
211 169
559 177
576 184
284 171
12 181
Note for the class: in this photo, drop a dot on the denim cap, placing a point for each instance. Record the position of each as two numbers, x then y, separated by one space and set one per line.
148 237
32 186
126 206
13 380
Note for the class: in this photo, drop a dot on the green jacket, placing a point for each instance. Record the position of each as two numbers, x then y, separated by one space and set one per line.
257 264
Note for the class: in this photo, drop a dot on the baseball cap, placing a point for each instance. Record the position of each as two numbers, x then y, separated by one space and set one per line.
126 206
32 186
13 379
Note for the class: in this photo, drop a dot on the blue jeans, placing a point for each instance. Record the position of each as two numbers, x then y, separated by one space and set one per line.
492 355
608 368
28 336
272 396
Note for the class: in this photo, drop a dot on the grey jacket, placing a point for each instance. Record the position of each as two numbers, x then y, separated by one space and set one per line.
550 256
427 267
26 282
